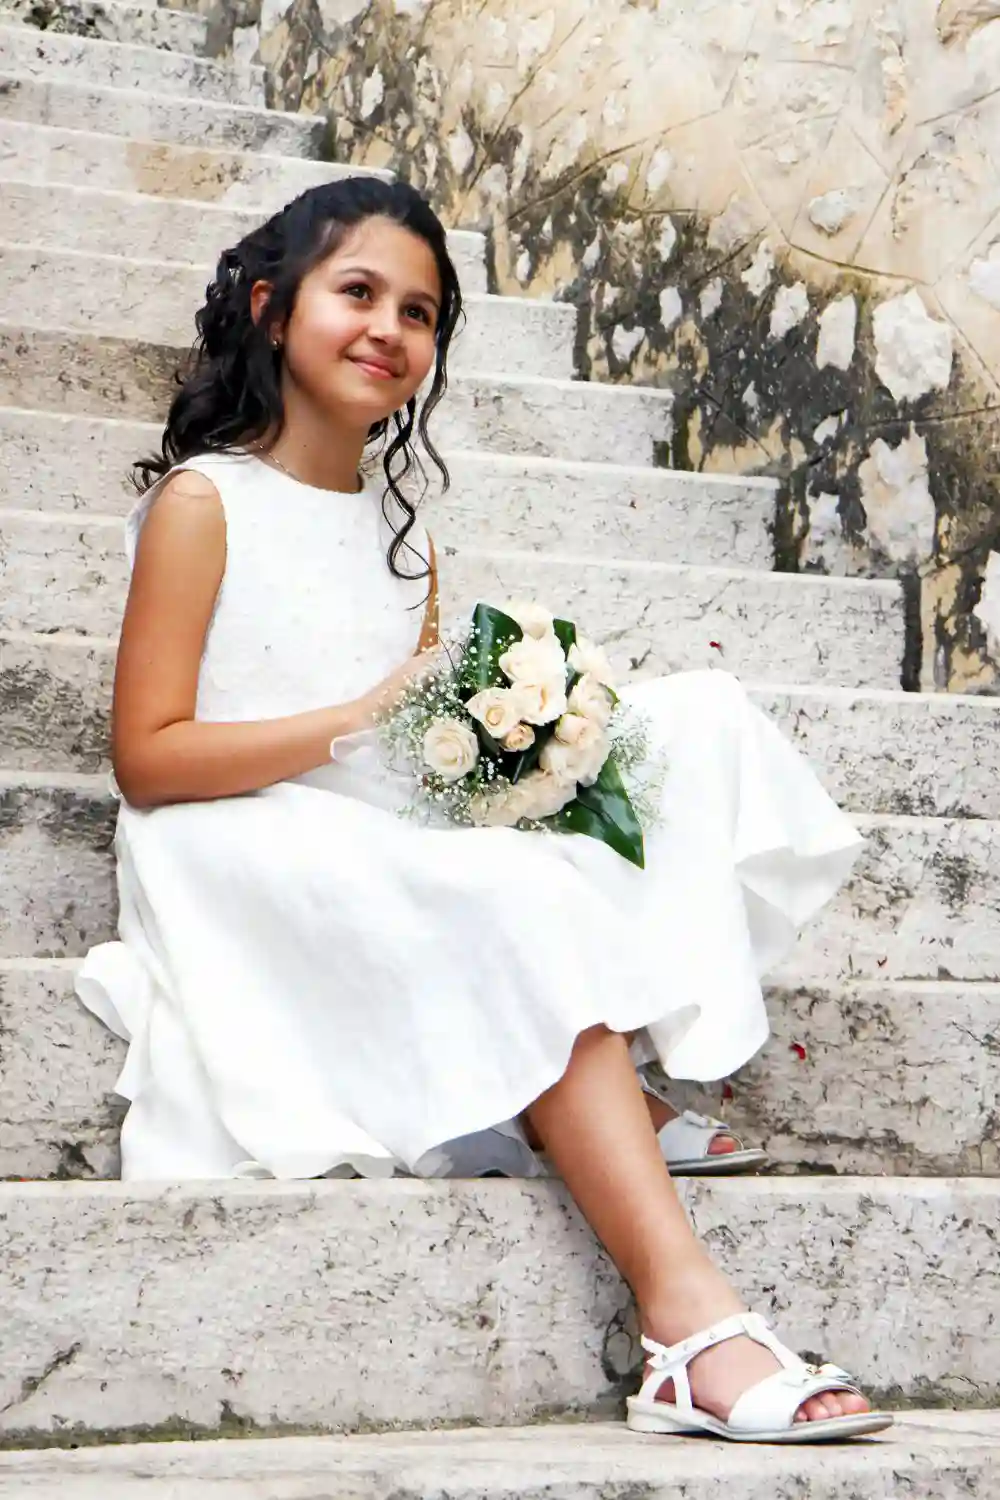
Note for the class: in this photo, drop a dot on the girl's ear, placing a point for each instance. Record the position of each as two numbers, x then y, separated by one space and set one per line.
260 297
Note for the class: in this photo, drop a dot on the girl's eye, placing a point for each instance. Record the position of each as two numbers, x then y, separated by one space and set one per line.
358 290
420 313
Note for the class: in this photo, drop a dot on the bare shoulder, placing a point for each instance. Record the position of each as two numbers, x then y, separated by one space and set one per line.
187 499
186 521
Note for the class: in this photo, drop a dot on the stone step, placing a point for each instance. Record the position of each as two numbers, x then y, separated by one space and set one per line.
141 227
936 1455
49 55
111 21
248 181
66 573
657 618
654 514
921 904
878 752
877 1077
65 465
157 1311
81 377
648 514
143 117
108 296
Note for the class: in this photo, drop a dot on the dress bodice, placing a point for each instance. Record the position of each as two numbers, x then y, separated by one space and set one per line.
308 613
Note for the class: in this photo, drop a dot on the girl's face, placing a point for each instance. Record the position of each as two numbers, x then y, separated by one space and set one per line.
361 337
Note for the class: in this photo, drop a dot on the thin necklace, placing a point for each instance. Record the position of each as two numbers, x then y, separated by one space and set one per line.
268 457
271 458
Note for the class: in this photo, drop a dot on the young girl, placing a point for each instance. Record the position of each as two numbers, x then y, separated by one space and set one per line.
312 985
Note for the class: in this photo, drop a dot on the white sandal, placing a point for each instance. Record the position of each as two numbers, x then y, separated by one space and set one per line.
686 1146
763 1414
686 1141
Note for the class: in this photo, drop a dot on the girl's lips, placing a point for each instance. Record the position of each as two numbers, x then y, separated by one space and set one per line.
376 370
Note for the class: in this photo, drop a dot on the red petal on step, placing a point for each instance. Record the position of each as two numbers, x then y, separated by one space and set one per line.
799 1050
716 646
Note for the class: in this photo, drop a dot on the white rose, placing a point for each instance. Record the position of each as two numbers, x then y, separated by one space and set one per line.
571 729
594 760
533 661
539 795
497 709
533 619
494 809
591 660
520 738
541 702
591 699
451 749
580 762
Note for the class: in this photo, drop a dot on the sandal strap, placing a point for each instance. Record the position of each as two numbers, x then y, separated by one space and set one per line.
771 1405
671 1364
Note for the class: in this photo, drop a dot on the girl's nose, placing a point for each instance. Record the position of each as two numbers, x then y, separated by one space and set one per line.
384 324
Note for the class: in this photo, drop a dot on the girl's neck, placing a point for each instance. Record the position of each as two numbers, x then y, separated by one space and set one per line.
319 453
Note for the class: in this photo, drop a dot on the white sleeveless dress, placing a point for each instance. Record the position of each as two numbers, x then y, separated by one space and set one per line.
309 983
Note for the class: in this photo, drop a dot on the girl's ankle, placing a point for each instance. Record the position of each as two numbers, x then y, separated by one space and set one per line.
697 1297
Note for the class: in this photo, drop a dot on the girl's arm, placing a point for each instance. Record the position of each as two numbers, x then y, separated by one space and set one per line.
160 753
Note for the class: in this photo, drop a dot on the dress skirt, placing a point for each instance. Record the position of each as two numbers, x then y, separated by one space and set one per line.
309 983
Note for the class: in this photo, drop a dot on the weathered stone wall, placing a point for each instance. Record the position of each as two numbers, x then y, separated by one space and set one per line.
789 210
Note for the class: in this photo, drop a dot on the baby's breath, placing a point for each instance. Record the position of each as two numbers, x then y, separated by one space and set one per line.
642 769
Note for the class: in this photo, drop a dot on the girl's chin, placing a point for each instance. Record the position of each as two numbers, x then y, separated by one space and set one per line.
361 409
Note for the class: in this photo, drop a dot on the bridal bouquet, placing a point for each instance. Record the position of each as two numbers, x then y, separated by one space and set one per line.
520 727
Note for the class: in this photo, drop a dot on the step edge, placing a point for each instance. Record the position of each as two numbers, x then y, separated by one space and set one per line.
899 988
181 101
99 43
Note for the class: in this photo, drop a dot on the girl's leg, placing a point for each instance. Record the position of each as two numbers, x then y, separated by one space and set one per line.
610 1161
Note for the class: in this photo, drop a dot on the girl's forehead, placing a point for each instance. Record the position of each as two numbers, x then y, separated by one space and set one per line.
390 249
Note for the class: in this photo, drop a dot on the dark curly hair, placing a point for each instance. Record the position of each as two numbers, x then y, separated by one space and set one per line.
231 394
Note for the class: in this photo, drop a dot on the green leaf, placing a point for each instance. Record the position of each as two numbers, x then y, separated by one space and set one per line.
528 759
565 634
492 633
487 743
603 811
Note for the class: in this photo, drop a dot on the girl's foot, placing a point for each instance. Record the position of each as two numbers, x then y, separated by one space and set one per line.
693 1145
722 1374
661 1113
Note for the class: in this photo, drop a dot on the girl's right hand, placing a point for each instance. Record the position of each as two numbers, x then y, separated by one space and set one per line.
382 697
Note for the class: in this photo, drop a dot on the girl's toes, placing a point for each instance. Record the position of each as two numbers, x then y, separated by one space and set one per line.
831 1404
820 1409
723 1145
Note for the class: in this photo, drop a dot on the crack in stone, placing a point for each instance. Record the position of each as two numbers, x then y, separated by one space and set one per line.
32 1383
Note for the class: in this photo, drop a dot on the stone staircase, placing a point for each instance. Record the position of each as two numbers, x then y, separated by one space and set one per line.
127 159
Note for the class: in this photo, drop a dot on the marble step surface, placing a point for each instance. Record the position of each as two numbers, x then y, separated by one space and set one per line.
242 182
871 1077
111 21
142 117
70 468
115 381
144 226
936 1455
155 1311
67 574
48 55
152 301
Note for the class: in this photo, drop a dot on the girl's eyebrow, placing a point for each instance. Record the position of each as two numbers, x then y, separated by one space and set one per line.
366 271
